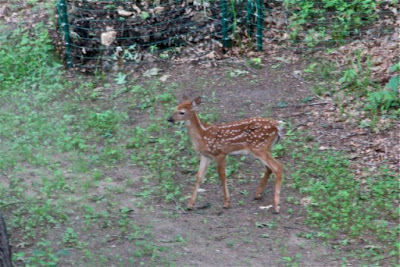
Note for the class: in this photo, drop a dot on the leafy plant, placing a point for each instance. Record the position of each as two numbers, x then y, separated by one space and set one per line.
342 203
15 72
383 100
105 122
42 255
255 62
387 98
70 237
328 20
357 78
121 78
394 82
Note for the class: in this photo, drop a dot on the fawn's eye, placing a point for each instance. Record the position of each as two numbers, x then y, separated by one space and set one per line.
181 112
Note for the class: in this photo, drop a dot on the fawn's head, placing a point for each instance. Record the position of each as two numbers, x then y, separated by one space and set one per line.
185 110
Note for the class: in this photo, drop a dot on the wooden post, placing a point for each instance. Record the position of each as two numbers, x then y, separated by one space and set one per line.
5 252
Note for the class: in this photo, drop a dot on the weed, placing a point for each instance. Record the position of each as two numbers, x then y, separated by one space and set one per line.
385 99
255 62
42 255
278 150
105 122
19 50
230 244
244 192
336 19
121 78
282 104
356 78
241 203
356 81
341 203
70 237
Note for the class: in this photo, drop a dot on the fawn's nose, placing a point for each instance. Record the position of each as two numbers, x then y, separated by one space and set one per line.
170 119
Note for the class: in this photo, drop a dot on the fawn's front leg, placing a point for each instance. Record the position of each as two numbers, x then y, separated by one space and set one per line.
221 171
204 161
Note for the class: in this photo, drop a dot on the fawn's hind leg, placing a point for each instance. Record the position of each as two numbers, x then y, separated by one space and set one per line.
276 167
263 183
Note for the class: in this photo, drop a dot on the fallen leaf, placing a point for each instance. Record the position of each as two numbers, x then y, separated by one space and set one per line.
123 12
21 245
158 10
265 207
210 55
144 15
136 8
305 201
151 72
237 73
108 37
165 77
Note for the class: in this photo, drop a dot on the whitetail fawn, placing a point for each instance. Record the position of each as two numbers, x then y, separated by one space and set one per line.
253 135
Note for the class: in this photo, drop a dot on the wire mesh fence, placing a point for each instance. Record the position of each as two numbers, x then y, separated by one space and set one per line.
310 24
105 33
102 32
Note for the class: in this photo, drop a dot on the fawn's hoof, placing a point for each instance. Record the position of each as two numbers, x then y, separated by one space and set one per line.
277 210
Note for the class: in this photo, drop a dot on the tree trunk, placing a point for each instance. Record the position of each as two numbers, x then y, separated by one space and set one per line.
5 252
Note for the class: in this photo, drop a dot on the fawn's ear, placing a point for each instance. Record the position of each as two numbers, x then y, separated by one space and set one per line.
196 101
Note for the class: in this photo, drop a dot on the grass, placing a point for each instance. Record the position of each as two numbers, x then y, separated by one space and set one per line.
59 145
344 207
345 19
373 101
64 139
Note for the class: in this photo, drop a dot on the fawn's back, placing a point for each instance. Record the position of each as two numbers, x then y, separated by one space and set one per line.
240 136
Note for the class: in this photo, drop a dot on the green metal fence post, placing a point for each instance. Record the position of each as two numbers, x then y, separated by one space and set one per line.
249 15
260 21
224 17
65 27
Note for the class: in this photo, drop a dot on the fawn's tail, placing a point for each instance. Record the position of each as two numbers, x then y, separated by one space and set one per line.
280 132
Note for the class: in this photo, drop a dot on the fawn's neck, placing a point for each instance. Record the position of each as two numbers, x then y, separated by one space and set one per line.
196 129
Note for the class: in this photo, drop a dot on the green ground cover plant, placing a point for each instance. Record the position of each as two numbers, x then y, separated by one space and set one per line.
328 20
344 207
373 99
50 131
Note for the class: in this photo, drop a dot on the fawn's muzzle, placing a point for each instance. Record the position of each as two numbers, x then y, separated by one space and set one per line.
170 119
